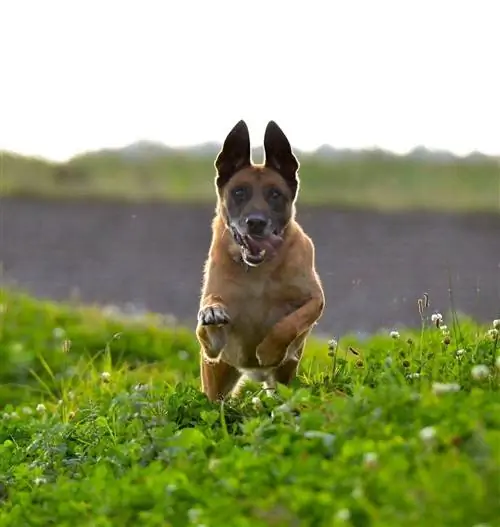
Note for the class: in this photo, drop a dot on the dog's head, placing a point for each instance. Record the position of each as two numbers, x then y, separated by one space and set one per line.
257 201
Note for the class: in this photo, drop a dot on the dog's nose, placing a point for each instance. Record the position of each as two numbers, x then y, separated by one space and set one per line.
256 224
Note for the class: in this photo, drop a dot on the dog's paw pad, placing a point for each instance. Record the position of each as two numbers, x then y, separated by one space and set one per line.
213 316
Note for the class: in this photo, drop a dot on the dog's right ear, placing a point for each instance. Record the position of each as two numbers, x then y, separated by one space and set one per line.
234 155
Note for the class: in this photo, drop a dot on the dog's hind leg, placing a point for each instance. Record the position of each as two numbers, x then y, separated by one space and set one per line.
218 379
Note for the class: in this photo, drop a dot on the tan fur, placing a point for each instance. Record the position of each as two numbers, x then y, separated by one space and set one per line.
270 309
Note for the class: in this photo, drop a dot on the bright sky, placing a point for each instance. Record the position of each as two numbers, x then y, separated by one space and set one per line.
86 74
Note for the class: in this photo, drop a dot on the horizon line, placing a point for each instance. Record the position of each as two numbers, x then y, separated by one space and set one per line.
218 144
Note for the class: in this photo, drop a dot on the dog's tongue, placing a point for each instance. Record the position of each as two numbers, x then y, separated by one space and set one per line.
269 244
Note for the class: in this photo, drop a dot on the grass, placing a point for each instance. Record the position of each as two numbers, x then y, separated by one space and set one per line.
372 180
104 424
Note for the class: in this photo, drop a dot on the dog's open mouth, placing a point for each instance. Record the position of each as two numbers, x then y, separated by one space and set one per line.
255 249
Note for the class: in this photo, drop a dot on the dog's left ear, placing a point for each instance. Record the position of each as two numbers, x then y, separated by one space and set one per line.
234 155
279 155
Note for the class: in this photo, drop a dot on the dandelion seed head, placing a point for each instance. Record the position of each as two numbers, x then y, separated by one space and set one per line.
394 334
496 324
460 352
480 372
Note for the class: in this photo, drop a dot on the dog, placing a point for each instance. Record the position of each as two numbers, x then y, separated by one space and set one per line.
261 294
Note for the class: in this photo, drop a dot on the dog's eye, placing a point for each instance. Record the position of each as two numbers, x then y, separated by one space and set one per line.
274 194
240 193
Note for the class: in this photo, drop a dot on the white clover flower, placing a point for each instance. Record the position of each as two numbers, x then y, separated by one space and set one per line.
394 334
496 324
460 352
16 347
213 463
257 403
436 318
428 434
357 492
415 375
40 408
328 439
183 355
105 376
194 514
493 334
480 372
6 415
439 388
343 515
370 459
27 410
58 333
332 344
39 481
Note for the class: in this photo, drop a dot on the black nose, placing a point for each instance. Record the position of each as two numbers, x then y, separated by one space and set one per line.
256 224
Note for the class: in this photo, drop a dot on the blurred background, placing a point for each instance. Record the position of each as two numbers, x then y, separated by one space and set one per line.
111 115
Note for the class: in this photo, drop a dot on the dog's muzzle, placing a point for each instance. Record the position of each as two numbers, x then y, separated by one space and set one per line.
256 249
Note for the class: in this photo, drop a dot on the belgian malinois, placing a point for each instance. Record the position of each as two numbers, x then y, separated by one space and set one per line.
261 294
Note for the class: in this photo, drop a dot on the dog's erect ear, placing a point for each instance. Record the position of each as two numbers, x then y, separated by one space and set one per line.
234 155
279 155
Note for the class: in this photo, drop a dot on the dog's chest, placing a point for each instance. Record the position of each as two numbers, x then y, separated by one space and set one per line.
255 310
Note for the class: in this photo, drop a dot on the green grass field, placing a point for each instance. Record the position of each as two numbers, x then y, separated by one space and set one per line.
371 180
102 424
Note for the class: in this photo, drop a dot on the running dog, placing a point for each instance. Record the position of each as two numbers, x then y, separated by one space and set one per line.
261 294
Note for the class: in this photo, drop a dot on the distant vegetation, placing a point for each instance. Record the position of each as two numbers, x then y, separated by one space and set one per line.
374 179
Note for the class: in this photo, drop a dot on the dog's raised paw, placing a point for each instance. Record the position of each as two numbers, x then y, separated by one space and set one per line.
213 316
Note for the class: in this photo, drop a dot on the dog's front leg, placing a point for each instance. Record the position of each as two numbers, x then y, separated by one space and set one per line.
273 349
211 328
